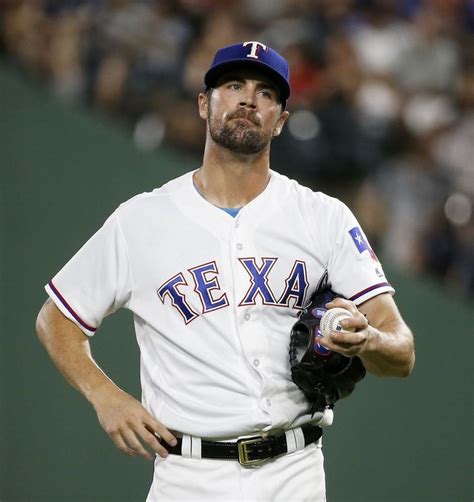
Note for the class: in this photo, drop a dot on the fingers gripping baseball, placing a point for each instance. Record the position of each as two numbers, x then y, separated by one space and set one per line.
352 340
130 426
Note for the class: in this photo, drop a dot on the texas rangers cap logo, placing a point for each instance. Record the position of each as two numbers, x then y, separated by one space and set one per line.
251 54
255 48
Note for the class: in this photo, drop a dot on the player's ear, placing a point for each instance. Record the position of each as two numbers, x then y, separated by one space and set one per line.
280 123
203 102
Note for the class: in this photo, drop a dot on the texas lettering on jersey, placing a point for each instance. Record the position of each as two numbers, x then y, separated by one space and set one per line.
206 285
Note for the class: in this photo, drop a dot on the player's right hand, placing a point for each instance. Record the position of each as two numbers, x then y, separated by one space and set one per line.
130 426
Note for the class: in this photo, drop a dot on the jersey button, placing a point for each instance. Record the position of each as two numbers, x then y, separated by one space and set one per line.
269 402
247 316
256 362
239 246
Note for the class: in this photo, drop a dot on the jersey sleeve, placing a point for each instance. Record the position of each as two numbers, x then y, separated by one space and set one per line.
96 281
353 268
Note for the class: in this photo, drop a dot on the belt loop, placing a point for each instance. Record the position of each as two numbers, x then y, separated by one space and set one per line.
196 447
290 441
299 438
186 446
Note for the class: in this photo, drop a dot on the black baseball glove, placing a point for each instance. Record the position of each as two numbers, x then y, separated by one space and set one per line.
323 376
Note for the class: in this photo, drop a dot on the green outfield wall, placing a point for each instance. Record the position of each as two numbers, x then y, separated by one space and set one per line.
62 173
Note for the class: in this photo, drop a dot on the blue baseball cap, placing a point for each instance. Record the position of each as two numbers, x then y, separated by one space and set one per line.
252 55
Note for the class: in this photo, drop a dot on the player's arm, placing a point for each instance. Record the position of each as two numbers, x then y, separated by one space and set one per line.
124 419
382 339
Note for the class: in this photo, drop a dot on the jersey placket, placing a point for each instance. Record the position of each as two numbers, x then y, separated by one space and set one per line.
249 328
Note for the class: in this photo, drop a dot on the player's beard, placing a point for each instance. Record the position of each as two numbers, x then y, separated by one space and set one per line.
239 136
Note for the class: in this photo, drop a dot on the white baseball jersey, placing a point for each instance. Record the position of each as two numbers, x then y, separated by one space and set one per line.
214 297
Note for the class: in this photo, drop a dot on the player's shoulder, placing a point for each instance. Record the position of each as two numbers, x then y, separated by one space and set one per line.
310 197
156 197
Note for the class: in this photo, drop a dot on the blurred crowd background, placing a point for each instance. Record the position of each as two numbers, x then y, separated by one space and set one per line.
382 105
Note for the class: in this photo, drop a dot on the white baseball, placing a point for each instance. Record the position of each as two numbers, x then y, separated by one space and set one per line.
331 318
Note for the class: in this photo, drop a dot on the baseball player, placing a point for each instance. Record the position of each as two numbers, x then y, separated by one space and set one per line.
216 265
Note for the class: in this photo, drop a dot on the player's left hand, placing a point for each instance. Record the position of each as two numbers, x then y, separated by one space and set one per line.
348 343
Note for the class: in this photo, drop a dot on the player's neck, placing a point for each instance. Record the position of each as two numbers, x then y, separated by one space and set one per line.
229 180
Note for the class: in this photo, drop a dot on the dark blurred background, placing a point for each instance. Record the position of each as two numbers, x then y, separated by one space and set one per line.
98 103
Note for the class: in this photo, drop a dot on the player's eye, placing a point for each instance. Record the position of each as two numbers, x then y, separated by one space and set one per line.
267 93
235 86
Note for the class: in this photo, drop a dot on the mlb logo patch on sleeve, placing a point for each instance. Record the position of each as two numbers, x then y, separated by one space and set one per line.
361 243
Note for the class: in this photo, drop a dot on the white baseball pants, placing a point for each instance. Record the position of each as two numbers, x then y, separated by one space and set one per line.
295 477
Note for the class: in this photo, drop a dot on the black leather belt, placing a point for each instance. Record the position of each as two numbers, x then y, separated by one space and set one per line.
250 450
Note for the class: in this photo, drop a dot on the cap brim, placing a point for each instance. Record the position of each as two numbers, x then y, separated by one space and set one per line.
213 75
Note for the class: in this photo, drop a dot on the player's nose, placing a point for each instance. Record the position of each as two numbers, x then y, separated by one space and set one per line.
247 103
248 99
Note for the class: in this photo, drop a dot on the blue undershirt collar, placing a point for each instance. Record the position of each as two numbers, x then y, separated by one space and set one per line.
233 211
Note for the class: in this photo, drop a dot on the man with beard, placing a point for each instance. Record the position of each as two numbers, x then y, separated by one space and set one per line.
215 266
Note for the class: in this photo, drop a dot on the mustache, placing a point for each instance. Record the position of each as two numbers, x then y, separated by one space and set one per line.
241 113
